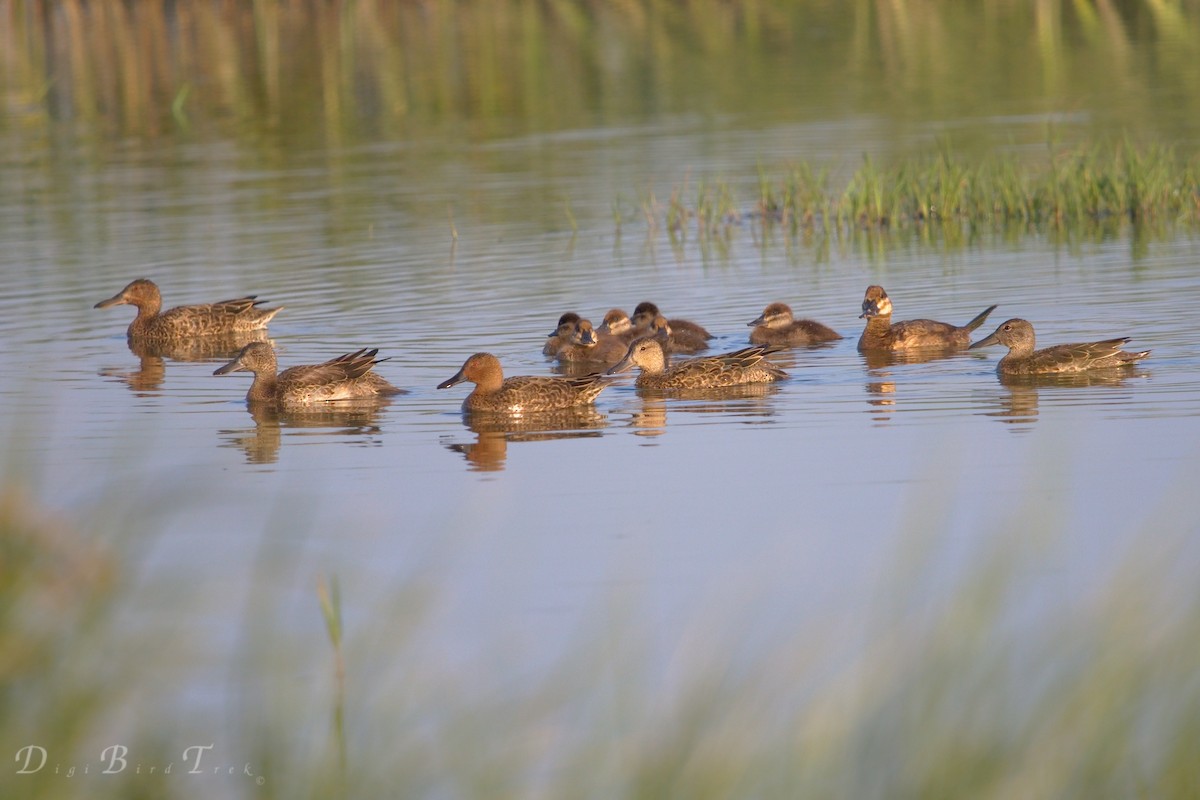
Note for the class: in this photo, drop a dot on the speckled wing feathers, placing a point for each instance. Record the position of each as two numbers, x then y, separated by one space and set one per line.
747 365
1077 357
240 314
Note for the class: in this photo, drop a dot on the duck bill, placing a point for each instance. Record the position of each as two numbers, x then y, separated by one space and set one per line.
233 366
758 321
869 309
621 366
984 342
115 300
456 379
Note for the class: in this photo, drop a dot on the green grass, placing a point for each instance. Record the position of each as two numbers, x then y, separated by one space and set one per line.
1068 188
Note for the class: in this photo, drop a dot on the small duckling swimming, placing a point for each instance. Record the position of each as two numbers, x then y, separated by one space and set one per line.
740 367
586 345
882 334
776 325
684 342
646 312
561 334
347 377
1022 359
493 393
617 324
185 322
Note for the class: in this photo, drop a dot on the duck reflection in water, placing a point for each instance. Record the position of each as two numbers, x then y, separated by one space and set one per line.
1018 402
353 422
882 359
882 398
493 433
747 403
152 369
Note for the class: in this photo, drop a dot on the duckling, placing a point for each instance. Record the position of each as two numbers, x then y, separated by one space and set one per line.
588 346
493 393
645 313
617 324
776 325
185 322
882 334
1022 359
683 342
561 334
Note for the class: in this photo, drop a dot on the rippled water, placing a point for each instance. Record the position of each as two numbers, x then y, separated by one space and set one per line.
787 503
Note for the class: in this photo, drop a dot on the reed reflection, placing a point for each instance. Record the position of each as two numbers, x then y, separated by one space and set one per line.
356 421
151 371
494 432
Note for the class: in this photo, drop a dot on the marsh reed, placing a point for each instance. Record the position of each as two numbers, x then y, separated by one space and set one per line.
1111 185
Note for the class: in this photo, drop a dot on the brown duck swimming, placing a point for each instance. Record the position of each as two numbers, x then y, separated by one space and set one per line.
561 334
1022 359
183 322
776 325
347 377
524 394
645 313
883 334
709 372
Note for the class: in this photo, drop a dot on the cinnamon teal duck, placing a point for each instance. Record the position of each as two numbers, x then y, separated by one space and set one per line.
185 322
646 312
1022 359
883 334
776 325
523 394
740 367
347 377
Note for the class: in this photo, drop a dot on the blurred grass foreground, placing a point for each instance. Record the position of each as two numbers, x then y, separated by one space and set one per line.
961 693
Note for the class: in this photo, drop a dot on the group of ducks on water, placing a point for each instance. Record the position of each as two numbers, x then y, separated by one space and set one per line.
645 340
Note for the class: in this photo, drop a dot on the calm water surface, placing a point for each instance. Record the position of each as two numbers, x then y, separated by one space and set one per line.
778 510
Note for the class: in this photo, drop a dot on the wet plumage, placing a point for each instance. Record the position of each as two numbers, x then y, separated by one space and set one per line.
522 394
184 322
776 325
347 377
1022 359
740 367
883 334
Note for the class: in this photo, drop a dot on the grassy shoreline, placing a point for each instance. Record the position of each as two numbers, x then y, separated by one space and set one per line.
1092 184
